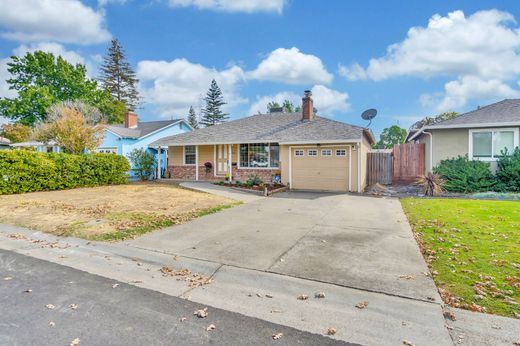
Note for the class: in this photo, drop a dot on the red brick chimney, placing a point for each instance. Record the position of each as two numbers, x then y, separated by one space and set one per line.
131 120
307 106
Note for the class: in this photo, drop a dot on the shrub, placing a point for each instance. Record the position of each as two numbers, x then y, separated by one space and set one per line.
432 184
143 163
253 180
463 175
27 171
508 171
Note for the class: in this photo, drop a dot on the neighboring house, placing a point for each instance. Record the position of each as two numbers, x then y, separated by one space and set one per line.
305 150
41 147
133 134
481 134
4 143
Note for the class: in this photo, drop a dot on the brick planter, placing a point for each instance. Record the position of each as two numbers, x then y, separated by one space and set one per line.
188 173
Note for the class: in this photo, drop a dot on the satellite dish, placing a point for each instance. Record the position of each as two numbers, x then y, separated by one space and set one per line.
369 114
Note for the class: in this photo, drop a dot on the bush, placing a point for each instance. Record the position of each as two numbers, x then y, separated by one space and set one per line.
26 171
508 171
463 175
253 180
143 163
431 184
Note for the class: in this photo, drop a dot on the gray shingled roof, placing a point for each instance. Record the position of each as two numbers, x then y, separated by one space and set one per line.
142 129
505 112
272 127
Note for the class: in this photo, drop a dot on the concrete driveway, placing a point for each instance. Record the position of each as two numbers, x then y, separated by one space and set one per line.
347 240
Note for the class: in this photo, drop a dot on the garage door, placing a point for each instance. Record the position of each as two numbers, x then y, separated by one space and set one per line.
320 168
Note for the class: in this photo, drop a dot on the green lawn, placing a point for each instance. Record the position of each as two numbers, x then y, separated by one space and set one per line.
473 250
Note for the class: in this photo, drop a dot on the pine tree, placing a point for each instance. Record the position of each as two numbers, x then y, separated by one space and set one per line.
211 113
118 77
192 118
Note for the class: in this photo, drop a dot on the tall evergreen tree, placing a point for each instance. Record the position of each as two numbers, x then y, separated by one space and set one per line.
118 77
192 118
211 113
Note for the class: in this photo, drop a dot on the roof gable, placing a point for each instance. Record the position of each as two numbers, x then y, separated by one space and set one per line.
143 128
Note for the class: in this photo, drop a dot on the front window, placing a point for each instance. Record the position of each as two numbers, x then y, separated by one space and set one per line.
190 153
489 144
260 155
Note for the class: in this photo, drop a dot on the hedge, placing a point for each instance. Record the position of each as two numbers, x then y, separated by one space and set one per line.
463 175
27 171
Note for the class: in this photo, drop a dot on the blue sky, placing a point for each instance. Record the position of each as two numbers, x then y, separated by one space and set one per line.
407 59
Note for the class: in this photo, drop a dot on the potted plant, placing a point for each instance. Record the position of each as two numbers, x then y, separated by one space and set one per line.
208 166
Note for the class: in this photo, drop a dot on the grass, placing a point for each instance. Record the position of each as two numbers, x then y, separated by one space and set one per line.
473 250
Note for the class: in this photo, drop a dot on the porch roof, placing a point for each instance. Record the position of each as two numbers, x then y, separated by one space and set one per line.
284 128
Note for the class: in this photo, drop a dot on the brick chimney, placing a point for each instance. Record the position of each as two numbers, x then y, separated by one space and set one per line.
307 106
131 120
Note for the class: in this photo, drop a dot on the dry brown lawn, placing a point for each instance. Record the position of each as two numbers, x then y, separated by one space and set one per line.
108 212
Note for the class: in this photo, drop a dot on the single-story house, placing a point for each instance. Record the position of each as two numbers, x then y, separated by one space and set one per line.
480 134
304 150
50 147
4 143
133 134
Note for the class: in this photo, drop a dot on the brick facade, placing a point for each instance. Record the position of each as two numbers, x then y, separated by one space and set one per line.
188 173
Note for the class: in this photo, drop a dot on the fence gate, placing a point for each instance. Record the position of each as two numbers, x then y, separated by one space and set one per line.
379 167
408 162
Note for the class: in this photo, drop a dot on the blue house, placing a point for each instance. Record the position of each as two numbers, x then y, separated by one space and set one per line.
121 139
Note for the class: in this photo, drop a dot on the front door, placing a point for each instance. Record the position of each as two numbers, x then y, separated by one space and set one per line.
222 159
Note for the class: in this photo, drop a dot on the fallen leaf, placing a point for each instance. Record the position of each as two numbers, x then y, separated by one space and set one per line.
362 305
407 277
302 297
73 306
259 295
52 324
50 306
277 336
27 290
450 315
268 296
135 281
408 343
331 331
74 342
276 311
201 313
319 295
211 327
7 278
115 285
183 319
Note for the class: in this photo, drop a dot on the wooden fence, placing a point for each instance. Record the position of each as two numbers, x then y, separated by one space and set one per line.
408 162
403 164
379 167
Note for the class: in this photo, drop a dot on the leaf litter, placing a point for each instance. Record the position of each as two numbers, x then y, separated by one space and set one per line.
192 279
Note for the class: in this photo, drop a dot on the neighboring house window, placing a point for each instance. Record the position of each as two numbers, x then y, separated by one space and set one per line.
341 152
326 152
260 155
298 152
106 150
312 152
489 143
190 154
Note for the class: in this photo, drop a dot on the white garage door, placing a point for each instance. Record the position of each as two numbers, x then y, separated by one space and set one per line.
320 168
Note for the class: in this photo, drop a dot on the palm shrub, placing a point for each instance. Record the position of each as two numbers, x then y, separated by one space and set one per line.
431 184
467 176
508 171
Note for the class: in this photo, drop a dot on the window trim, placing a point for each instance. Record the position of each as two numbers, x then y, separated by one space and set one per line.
315 152
328 150
342 150
269 167
184 155
515 131
112 150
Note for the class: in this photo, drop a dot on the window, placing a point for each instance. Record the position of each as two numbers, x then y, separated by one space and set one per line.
106 150
262 155
312 152
488 144
190 154
298 152
341 152
326 152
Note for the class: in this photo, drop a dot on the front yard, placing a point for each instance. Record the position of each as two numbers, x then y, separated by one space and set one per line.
108 212
473 250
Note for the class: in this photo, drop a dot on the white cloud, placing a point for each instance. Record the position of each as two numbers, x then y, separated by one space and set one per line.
50 47
106 2
292 67
173 86
327 101
52 20
247 6
482 51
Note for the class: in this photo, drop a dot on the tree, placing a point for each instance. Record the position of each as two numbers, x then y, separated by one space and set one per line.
143 163
287 107
72 130
273 106
211 113
16 132
390 136
433 120
192 118
42 80
118 77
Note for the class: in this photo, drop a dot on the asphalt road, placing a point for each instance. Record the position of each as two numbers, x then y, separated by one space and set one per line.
87 307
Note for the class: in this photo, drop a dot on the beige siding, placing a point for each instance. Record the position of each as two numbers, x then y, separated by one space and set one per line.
175 156
284 163
365 147
354 169
205 154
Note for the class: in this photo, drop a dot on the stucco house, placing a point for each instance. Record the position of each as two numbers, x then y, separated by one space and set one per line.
307 151
50 147
480 134
4 143
133 134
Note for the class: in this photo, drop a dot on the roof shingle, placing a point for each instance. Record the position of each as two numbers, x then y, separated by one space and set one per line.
142 129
